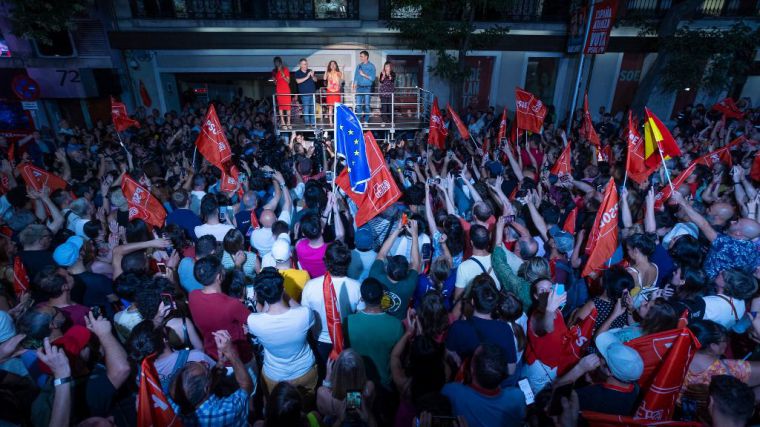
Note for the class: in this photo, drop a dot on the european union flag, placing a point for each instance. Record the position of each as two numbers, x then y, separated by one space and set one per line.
349 144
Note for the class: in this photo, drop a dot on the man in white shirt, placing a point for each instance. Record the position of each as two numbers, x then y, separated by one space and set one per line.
347 291
262 238
210 217
728 305
478 263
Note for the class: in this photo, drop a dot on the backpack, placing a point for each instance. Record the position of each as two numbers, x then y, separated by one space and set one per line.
576 289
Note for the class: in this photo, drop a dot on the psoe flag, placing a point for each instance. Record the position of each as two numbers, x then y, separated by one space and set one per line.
349 144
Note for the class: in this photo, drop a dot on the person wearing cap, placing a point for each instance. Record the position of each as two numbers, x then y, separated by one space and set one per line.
397 274
90 288
182 215
363 254
621 365
373 333
295 279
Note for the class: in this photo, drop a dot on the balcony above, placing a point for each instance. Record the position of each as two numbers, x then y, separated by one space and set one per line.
298 10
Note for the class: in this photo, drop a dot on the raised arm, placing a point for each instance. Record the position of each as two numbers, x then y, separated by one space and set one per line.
389 242
695 217
538 220
117 366
120 251
415 261
650 226
513 163
625 210
429 212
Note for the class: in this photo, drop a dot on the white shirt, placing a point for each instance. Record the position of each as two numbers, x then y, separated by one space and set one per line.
718 308
287 354
348 293
216 230
468 269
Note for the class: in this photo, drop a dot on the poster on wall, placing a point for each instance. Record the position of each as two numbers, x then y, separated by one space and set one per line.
601 24
576 28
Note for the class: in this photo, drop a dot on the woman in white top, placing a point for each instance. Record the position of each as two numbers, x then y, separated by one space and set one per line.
639 247
281 328
210 217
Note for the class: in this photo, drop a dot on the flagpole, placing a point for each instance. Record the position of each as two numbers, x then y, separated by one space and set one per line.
667 173
580 65
129 155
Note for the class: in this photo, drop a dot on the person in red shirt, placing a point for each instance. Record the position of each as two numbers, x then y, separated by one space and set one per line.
213 310
546 329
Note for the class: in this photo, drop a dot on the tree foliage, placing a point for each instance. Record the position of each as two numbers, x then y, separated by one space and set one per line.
441 26
39 19
708 58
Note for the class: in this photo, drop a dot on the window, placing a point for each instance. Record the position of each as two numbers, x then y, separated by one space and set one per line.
62 46
330 9
541 78
477 87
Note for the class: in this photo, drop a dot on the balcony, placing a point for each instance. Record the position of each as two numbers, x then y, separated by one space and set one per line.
653 9
511 11
245 9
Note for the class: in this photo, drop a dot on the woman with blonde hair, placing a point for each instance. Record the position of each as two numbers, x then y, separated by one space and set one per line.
333 77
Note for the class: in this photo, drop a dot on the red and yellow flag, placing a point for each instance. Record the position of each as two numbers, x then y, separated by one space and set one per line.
604 235
635 166
657 138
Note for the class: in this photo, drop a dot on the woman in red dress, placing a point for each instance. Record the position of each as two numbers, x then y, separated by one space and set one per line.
281 77
333 77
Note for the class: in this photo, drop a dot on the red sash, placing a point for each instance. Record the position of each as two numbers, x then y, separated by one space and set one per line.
332 315
20 278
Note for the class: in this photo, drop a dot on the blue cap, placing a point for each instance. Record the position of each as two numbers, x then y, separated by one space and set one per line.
67 254
364 240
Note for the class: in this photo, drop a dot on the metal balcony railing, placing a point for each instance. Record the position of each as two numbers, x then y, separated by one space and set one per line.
650 9
406 108
245 9
511 11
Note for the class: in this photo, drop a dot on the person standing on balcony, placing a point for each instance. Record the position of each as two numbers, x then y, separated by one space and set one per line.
333 77
281 77
306 80
387 87
363 78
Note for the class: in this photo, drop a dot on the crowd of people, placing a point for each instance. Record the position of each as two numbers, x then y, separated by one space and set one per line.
454 303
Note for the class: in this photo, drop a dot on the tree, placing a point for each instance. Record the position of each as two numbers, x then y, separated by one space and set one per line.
443 25
41 20
713 59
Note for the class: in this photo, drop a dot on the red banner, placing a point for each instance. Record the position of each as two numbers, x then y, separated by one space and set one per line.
20 278
38 178
211 142
503 126
666 356
604 235
598 419
587 130
119 116
602 21
141 203
530 111
438 132
153 408
634 162
382 190
332 314
569 224
461 127
729 109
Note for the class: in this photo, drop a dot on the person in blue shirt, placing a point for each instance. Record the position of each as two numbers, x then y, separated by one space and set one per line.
306 80
363 78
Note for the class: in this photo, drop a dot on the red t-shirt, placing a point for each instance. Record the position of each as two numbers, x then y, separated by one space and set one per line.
549 348
215 312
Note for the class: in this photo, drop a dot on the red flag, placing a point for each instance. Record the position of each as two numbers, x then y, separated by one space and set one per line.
458 121
20 278
604 235
754 171
153 408
230 179
666 356
569 224
119 116
438 132
657 138
141 203
729 109
666 191
530 111
144 95
382 190
587 130
578 335
722 155
332 315
563 164
598 419
634 162
211 142
38 178
503 125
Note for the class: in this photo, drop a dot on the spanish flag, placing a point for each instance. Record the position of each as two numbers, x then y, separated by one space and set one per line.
657 137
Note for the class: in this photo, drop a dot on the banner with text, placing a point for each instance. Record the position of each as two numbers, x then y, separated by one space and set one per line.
601 24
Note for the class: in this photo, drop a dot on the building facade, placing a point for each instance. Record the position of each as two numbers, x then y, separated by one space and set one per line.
161 53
